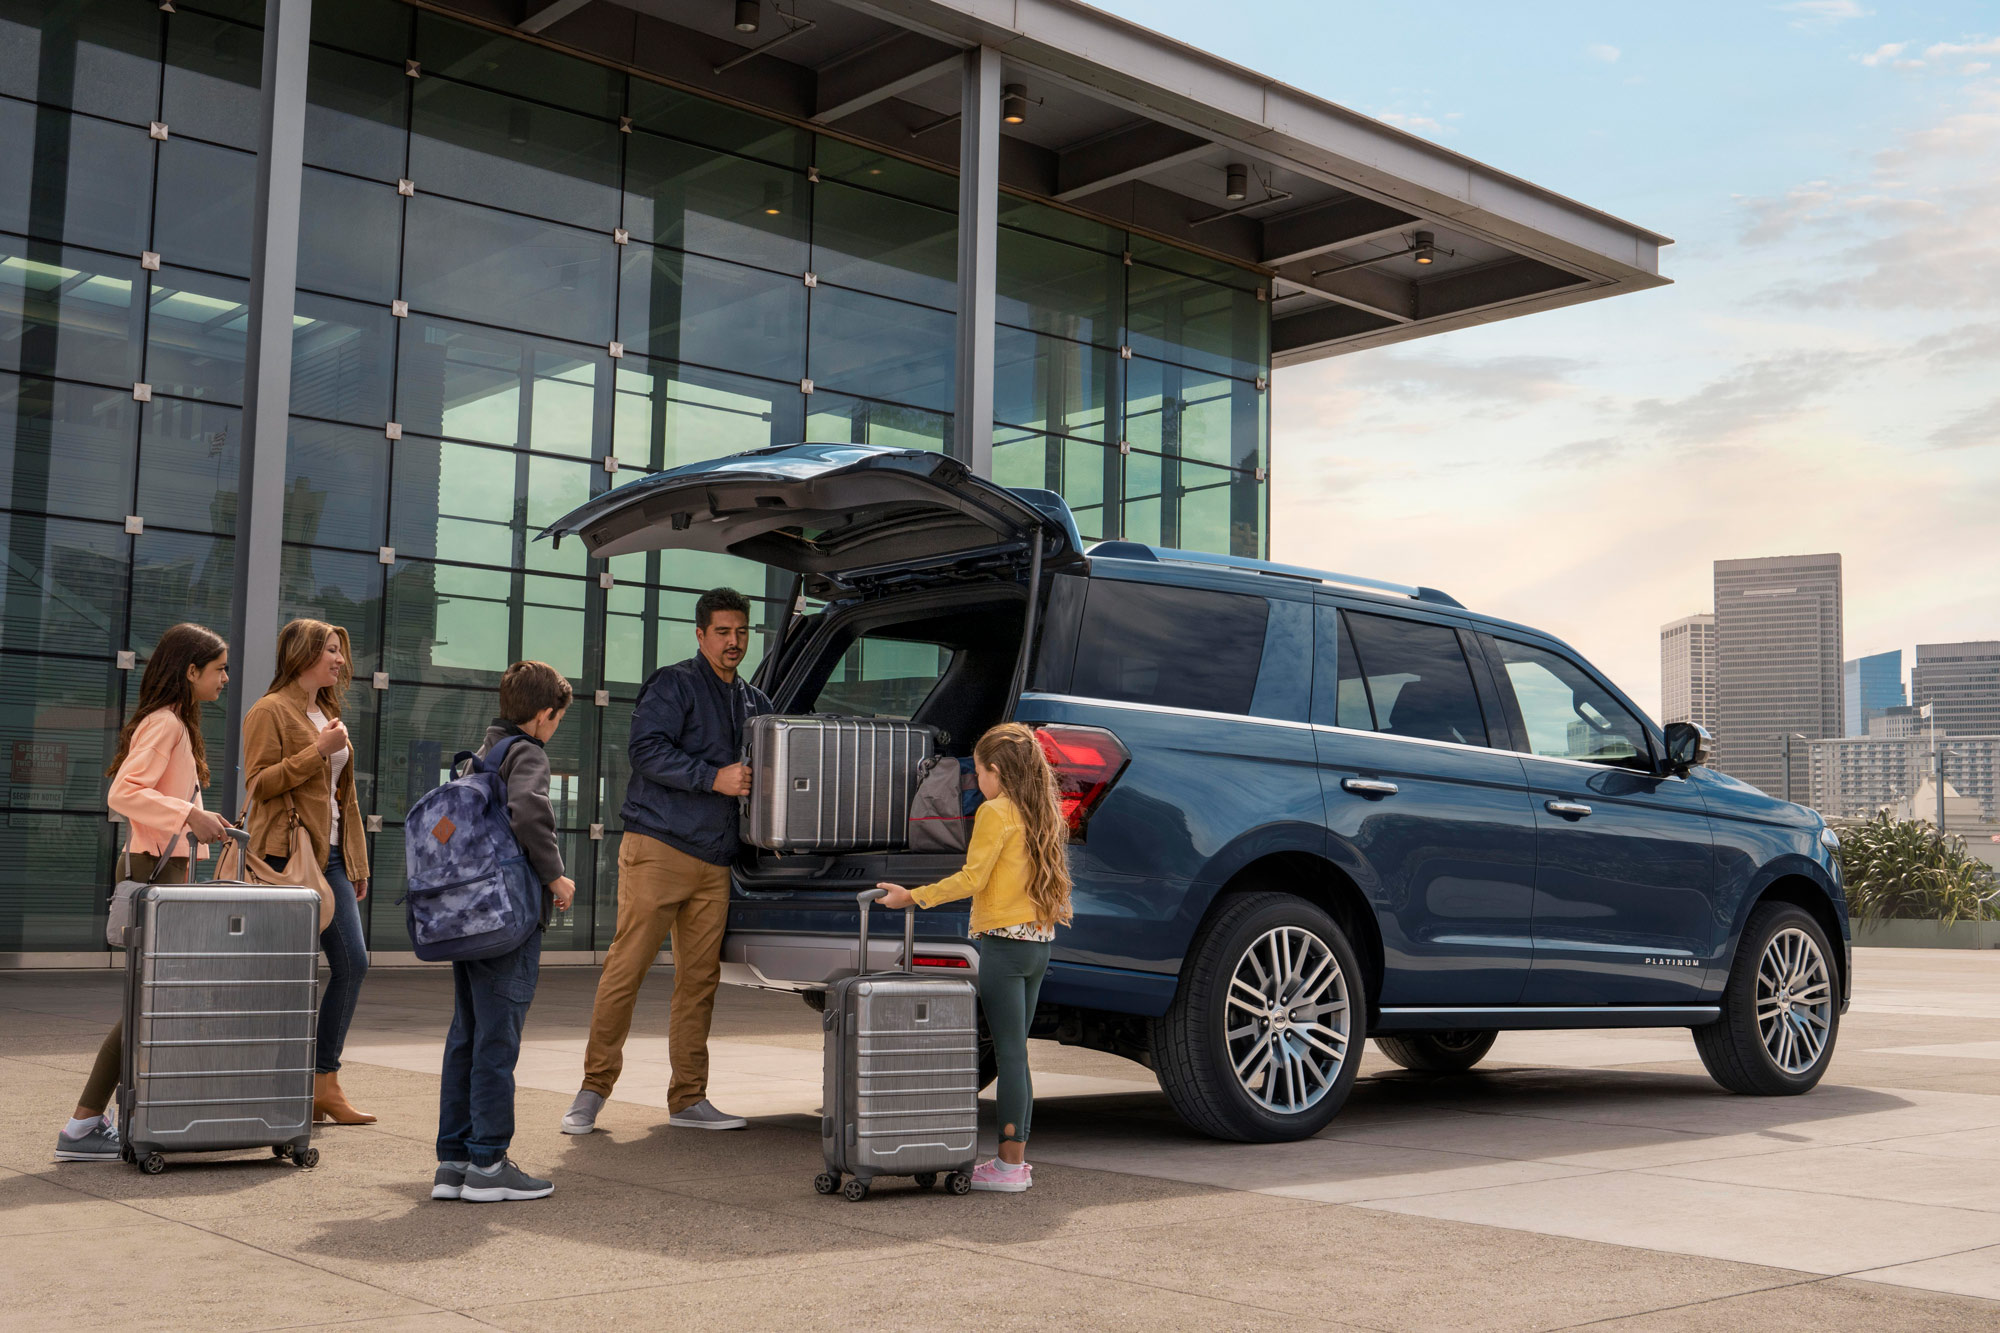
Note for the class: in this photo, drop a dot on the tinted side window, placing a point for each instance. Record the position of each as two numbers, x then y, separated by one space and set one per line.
1568 715
1057 650
1351 702
1176 647
1416 678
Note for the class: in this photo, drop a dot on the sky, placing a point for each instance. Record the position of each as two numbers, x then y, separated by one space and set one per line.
1824 374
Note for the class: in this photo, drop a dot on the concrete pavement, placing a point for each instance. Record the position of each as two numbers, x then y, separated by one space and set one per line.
1573 1179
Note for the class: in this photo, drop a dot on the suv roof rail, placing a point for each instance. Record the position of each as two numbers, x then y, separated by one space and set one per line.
1124 550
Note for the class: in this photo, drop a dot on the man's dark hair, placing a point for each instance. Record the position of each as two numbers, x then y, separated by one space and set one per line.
719 599
528 688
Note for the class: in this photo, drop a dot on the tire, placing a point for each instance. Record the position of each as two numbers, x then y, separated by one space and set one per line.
826 1182
1439 1052
926 1179
307 1159
1197 1054
958 1182
855 1190
152 1164
1785 968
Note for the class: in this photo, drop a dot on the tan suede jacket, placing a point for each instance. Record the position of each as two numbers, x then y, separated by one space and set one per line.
280 762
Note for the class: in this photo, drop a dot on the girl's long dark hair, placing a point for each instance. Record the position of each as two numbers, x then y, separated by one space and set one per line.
166 685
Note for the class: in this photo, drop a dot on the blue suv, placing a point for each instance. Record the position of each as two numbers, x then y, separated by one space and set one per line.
1307 809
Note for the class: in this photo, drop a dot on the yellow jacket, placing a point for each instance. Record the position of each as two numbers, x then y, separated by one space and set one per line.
996 874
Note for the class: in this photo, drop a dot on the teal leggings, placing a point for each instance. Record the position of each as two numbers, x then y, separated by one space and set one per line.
1010 982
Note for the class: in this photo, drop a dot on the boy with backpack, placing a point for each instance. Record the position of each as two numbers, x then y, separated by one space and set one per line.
476 1103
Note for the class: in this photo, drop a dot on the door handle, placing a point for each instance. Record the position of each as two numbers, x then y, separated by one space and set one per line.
1570 809
1370 787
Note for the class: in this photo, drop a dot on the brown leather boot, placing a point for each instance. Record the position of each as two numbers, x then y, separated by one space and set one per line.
330 1103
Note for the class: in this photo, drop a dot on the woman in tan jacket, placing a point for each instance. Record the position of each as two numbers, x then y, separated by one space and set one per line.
299 769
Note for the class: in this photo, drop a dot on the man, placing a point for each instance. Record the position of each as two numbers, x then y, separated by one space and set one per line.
680 817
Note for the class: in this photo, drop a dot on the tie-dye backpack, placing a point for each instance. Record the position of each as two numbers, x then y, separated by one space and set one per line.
471 893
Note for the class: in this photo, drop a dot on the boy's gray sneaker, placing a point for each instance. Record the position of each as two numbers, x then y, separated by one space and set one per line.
101 1144
703 1115
449 1182
502 1182
581 1117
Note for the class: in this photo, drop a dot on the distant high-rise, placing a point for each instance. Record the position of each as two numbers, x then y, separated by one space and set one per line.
1871 686
1687 671
1962 681
1777 663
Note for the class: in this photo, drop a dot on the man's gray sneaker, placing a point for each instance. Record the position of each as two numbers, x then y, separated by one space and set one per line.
101 1144
502 1182
449 1182
703 1115
581 1117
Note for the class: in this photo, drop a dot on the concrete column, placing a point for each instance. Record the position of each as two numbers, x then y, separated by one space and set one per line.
978 256
267 371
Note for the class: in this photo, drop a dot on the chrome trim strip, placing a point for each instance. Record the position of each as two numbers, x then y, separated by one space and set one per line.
1162 709
1517 1010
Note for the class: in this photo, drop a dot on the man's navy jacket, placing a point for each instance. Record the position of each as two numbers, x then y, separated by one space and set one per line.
689 723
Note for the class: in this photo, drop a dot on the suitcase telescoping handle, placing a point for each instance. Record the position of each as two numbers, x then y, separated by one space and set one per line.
867 899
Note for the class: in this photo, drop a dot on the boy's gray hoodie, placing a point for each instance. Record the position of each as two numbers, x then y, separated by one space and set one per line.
525 770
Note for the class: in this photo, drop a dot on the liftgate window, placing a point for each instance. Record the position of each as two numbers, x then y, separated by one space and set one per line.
1147 643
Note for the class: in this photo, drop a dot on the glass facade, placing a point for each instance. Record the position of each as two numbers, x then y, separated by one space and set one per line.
1128 379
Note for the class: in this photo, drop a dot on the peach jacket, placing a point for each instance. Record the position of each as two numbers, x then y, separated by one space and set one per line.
156 787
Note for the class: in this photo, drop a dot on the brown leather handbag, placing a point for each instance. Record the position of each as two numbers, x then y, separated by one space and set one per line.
238 862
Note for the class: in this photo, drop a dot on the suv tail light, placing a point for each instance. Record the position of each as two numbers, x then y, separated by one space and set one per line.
1087 760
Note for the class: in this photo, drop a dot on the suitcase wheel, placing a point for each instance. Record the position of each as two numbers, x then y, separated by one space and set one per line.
958 1182
826 1183
857 1190
152 1164
926 1179
310 1159
281 1150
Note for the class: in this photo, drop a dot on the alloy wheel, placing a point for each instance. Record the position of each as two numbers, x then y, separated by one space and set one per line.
1287 1020
1794 1001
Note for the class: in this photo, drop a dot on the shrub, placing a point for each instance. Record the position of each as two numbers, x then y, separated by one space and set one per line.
1903 870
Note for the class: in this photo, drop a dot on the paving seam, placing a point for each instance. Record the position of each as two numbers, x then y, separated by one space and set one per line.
1811 1281
1659 1173
1953 1254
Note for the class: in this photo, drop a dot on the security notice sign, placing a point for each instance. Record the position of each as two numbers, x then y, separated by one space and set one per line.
40 764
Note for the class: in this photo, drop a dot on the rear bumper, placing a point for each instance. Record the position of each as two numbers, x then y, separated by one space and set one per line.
777 961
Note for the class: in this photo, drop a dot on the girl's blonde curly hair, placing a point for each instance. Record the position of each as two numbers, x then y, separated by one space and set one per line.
1014 753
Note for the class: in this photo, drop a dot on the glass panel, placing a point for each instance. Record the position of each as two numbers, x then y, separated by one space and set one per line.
454 502
512 66
1022 457
562 407
341 359
1042 220
687 308
1197 323
472 263
883 678
196 334
1060 289
555 486
68 313
1160 254
1568 715
835 418
58 727
883 349
212 79
470 384
52 873
728 207
202 216
614 772
1417 679
1089 474
65 585
178 576
189 453
1205 521
337 486
92 185
552 623
355 112
668 415
423 726
342 588
375 27
878 243
1050 384
650 627
348 237
1174 647
493 149
101 56
448 623
698 120
841 160
66 449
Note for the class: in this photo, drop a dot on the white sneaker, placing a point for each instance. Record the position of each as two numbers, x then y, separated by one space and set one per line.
581 1118
703 1115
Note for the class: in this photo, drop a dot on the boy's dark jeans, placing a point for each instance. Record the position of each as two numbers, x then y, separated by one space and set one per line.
476 1104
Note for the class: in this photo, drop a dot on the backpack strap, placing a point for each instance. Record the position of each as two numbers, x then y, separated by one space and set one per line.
498 754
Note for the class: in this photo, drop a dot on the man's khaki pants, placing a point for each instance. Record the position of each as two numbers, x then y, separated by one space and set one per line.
661 891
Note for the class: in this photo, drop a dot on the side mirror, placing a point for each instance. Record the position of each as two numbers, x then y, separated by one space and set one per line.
1688 745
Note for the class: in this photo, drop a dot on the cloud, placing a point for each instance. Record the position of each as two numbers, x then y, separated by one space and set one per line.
1887 54
1415 124
1765 392
1977 429
1775 219
1584 454
1603 51
1965 347
1823 13
1952 50
1498 381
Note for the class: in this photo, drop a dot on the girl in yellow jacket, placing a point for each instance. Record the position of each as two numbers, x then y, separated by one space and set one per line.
1017 875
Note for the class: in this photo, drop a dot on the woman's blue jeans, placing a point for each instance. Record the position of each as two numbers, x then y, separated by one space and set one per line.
346 961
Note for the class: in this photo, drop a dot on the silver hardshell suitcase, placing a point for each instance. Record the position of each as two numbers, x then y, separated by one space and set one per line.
831 784
221 1021
902 1075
